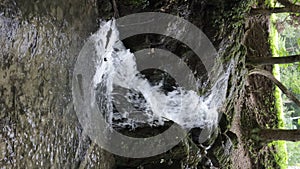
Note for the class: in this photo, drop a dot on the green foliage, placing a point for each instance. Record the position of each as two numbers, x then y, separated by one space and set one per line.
273 36
281 155
281 51
294 153
274 39
290 77
279 108
270 3
296 1
290 37
284 44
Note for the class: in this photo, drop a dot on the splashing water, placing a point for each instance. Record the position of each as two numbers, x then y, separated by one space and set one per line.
116 68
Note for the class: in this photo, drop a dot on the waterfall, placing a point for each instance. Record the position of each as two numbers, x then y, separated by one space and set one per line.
116 69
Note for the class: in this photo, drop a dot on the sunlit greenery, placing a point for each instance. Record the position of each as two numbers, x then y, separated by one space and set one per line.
281 155
293 149
276 70
285 40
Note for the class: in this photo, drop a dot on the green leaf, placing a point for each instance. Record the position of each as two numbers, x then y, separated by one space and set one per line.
298 42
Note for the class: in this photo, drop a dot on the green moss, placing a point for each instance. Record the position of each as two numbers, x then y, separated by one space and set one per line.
280 155
278 101
273 36
270 3
276 71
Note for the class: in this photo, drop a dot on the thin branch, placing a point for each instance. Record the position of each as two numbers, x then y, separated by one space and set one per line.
115 7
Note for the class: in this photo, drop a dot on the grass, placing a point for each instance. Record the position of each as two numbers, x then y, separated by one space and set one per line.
281 156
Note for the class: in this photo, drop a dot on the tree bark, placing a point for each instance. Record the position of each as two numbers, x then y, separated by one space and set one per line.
274 60
267 74
115 7
279 134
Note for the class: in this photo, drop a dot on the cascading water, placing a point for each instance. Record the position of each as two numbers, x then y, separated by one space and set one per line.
40 128
116 68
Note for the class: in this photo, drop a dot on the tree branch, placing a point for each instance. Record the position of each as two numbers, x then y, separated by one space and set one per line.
273 60
267 74
279 134
115 7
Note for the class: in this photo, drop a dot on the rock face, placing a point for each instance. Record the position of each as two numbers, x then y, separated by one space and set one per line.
39 43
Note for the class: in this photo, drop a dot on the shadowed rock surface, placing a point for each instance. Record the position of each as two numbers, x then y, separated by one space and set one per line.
39 44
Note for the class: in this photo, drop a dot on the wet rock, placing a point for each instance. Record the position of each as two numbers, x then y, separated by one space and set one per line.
220 151
185 154
233 138
224 123
204 137
39 42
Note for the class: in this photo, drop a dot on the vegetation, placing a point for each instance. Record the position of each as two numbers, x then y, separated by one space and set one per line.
293 153
281 155
287 6
281 38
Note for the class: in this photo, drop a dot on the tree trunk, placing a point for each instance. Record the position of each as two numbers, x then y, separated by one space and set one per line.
267 74
274 60
269 11
279 134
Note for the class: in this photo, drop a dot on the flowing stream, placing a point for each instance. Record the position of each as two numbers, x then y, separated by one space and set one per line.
116 69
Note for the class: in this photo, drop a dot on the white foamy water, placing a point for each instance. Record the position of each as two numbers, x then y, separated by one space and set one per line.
116 66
